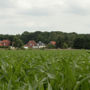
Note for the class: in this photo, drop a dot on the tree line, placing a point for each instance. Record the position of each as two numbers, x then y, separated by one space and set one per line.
63 40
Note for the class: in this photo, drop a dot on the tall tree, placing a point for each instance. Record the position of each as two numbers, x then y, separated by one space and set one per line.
17 42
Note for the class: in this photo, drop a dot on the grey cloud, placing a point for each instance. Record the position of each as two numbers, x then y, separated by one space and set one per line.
77 10
6 4
35 12
77 7
72 17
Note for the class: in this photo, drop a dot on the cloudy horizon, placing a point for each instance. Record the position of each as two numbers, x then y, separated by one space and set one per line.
17 16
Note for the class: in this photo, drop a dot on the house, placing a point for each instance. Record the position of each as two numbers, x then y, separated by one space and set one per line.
5 43
30 44
53 42
41 45
33 44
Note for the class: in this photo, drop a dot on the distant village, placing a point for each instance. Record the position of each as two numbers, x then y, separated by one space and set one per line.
30 44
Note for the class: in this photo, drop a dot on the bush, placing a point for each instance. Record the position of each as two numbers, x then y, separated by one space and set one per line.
50 46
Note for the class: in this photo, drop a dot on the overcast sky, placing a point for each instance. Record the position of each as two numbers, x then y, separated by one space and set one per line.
17 16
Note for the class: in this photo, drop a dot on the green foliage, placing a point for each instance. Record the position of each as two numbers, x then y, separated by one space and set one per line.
65 45
4 47
50 46
61 43
82 42
17 42
44 70
63 40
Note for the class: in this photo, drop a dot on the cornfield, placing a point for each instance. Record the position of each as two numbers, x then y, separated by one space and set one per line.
44 70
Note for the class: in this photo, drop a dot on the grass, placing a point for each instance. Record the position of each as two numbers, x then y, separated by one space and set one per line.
44 70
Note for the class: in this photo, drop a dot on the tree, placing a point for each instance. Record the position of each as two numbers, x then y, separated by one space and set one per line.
78 43
59 42
82 42
65 45
17 42
25 37
50 46
63 40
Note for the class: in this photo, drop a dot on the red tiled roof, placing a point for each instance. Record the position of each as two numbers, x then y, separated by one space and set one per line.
5 43
31 43
53 42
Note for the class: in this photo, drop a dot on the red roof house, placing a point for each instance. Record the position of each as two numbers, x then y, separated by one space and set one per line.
5 43
31 43
53 42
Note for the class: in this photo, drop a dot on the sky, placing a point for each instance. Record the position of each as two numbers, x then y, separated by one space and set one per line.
17 16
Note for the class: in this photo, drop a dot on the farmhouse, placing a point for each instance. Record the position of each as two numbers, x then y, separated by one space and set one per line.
33 44
30 44
41 44
5 43
53 42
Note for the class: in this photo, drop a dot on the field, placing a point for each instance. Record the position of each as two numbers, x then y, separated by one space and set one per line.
44 70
